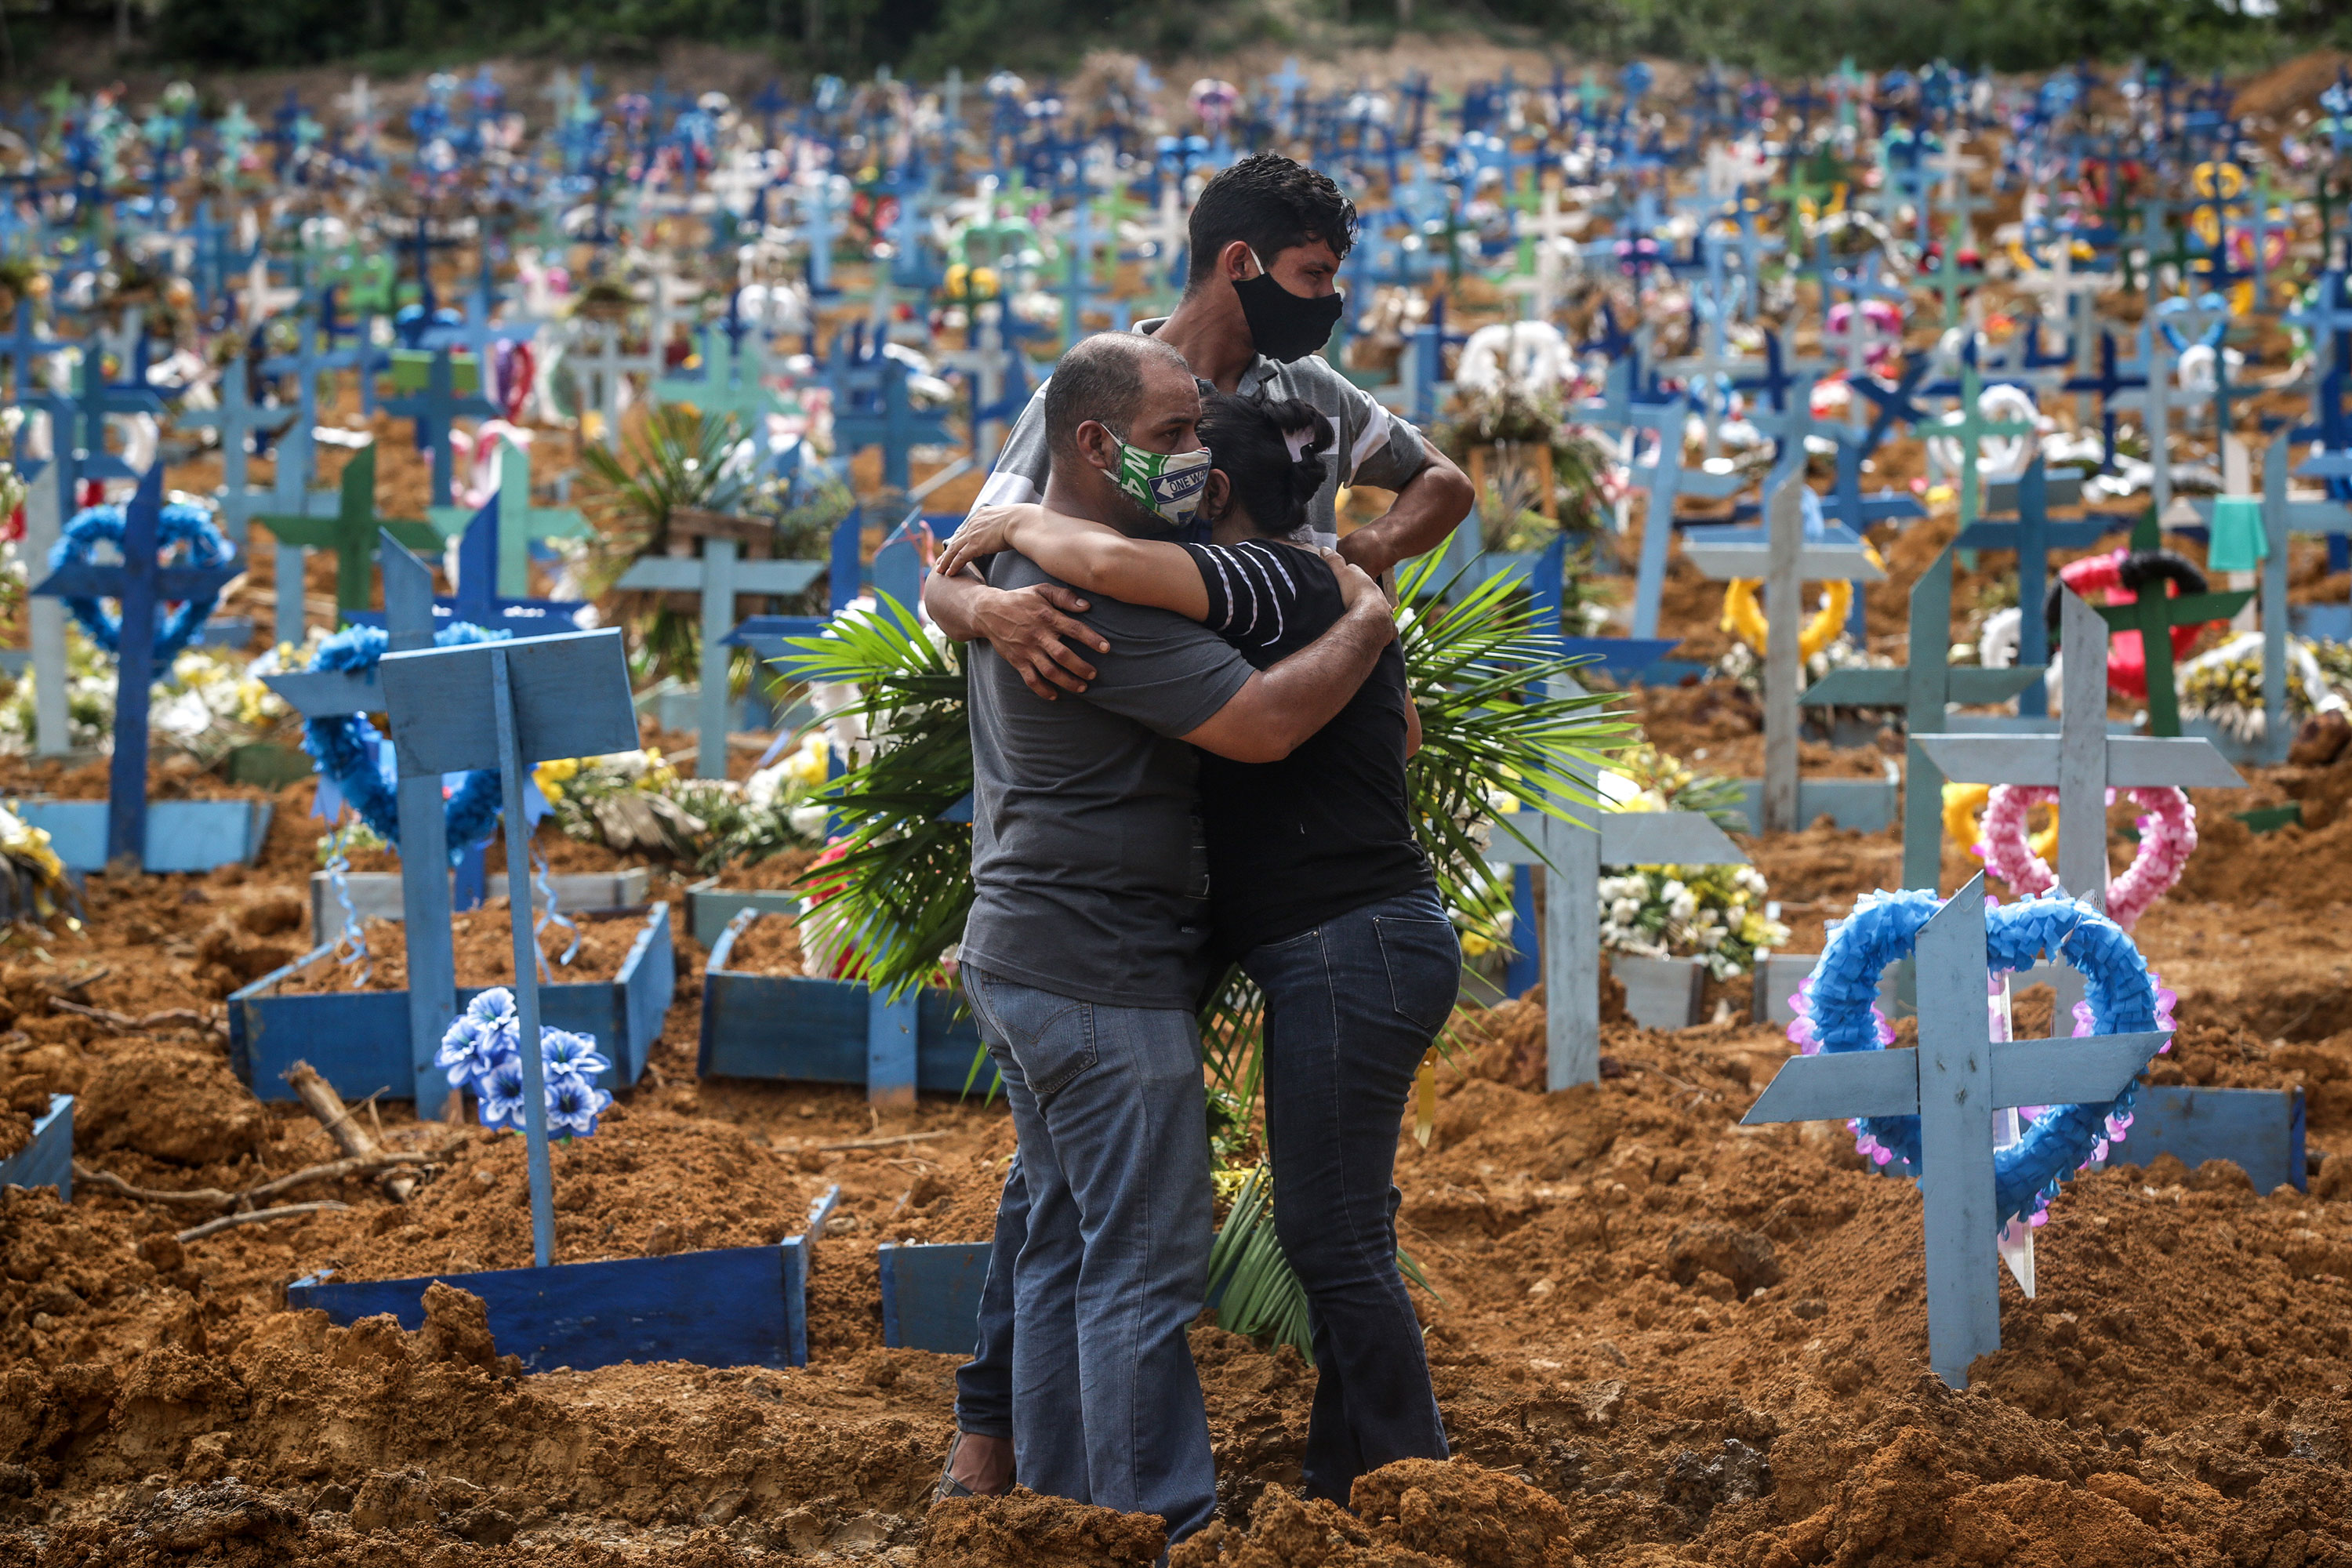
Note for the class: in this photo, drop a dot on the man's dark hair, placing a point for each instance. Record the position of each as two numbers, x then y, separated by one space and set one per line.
1100 378
1272 202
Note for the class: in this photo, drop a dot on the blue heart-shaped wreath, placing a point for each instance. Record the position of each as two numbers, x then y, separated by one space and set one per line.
342 744
181 523
1836 1012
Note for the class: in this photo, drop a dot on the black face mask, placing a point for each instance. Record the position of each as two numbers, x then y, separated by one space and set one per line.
1286 326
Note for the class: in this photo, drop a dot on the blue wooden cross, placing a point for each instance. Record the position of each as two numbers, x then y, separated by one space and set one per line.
432 410
92 458
423 845
1926 690
143 585
872 408
23 350
1666 480
718 577
2034 536
237 417
508 705
1784 560
1954 1083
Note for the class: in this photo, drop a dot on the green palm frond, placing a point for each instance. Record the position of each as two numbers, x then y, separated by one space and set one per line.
900 879
677 461
1476 662
1251 1283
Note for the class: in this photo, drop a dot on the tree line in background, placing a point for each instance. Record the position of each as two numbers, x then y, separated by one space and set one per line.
921 39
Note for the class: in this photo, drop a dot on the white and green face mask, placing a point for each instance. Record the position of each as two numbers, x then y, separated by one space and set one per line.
1166 484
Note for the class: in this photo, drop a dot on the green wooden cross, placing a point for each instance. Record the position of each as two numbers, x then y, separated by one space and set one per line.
736 384
1950 277
519 522
2153 614
1926 690
1970 431
351 534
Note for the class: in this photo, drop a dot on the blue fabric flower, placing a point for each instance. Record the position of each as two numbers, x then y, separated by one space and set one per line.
574 1104
567 1055
341 746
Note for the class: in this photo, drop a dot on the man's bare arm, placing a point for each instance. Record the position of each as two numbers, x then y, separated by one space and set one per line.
1279 709
1030 628
1424 513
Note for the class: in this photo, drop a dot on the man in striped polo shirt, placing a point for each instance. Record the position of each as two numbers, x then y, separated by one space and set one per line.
1260 296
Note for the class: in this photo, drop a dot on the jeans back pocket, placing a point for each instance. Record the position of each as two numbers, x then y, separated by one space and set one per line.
1051 1037
1423 959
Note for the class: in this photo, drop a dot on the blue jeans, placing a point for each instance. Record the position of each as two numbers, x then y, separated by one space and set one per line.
1112 1120
984 1384
1350 1008
1382 978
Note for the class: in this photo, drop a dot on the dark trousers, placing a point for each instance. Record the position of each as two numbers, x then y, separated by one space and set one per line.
1350 1008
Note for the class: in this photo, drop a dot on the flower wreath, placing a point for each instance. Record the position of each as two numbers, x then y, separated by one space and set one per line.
181 523
2168 836
1836 1011
1964 803
343 745
1743 615
2133 572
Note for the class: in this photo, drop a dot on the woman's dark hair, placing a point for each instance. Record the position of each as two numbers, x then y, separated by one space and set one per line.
1273 202
1253 442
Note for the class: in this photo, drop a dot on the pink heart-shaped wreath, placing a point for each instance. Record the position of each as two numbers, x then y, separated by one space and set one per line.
2168 835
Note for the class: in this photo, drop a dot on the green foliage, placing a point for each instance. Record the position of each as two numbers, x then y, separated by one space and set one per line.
903 877
921 39
1262 1297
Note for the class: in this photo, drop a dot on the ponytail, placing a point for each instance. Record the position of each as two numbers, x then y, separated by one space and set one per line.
1271 455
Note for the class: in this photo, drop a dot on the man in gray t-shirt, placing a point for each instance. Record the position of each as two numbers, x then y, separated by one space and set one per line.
1084 950
1088 880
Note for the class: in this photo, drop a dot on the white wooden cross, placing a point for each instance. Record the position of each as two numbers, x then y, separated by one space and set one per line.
2083 761
716 577
1954 1082
1785 563
1549 227
605 371
668 293
1573 854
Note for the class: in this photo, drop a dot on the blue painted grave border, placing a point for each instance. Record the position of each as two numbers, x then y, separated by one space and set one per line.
738 1306
181 835
359 1041
48 1160
931 1294
807 1030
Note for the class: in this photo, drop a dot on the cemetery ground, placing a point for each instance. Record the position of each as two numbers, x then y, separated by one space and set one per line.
1657 1337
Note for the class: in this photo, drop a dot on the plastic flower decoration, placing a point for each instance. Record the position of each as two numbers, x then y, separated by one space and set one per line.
481 1050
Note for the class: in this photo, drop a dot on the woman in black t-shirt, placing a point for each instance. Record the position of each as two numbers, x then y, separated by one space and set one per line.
1318 887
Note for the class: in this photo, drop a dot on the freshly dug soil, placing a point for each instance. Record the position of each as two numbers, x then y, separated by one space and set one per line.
768 945
484 939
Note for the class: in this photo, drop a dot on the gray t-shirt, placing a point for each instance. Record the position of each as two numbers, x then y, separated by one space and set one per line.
1370 445
1089 878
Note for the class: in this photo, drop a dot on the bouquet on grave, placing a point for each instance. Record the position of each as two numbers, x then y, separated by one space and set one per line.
2225 685
635 801
482 1052
205 705
1712 913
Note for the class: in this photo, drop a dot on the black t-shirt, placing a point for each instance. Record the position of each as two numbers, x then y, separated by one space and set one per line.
1326 830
